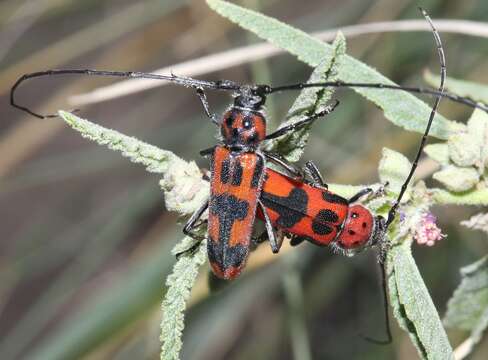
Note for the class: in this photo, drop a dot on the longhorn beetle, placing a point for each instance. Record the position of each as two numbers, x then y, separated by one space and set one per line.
238 166
306 210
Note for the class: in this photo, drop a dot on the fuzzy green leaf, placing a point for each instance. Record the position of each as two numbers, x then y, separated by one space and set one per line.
413 306
457 179
309 102
182 182
179 284
463 151
155 159
474 197
393 169
468 307
469 89
401 108
438 152
478 129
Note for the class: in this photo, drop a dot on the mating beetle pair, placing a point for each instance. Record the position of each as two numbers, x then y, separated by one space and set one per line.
295 204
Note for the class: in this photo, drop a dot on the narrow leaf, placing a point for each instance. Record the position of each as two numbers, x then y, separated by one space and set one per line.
179 284
401 108
469 89
184 188
414 308
309 102
155 159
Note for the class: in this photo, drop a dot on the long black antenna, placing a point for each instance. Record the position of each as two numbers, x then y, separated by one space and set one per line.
226 85
442 60
185 81
392 212
419 90
386 314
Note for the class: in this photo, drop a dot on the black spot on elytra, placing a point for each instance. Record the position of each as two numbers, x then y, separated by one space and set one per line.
237 176
228 209
333 198
225 256
225 172
258 171
320 224
291 208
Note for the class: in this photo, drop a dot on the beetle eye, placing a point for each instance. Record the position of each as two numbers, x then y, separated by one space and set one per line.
229 121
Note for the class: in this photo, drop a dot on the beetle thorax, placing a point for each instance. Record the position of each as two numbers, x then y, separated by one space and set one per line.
242 128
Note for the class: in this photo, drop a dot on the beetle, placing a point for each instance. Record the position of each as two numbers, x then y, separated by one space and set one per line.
237 168
307 210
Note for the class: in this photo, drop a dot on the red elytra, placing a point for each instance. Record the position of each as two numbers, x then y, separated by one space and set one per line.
309 211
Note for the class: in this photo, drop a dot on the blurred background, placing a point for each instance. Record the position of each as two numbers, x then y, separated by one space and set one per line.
85 238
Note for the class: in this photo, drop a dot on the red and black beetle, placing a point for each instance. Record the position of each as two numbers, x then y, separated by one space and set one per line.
237 170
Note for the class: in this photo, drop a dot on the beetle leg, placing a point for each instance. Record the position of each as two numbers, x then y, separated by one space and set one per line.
191 225
291 169
302 123
312 171
206 107
274 240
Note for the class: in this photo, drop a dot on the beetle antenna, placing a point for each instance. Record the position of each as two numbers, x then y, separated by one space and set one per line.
185 81
389 337
442 60
420 90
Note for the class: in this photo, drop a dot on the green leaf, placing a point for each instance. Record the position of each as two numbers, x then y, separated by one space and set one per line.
474 197
457 179
401 108
184 188
179 284
413 306
393 169
468 307
309 102
155 159
463 151
472 90
438 152
478 129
